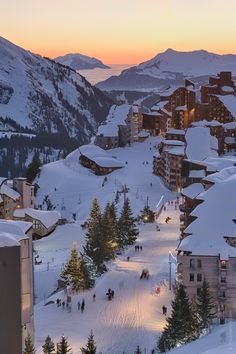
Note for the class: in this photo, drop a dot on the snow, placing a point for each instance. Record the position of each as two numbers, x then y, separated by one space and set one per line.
199 143
176 131
143 134
193 190
181 108
227 89
47 217
134 316
230 140
173 142
197 174
206 123
229 102
79 61
17 228
8 240
214 220
159 105
117 116
230 125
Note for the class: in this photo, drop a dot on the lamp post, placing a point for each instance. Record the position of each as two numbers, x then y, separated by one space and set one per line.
170 263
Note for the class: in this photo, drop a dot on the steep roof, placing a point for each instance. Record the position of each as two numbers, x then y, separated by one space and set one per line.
17 228
47 217
99 156
9 192
229 102
8 240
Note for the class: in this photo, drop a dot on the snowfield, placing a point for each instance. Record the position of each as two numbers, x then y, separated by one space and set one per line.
134 317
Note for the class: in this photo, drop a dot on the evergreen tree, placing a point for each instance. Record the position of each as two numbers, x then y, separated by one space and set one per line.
195 320
95 247
63 346
49 346
91 345
179 324
29 346
33 169
72 273
88 270
127 231
110 231
205 305
138 350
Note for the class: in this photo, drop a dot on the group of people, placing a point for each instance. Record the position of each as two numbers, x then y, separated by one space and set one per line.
144 274
138 248
110 294
81 305
64 304
167 219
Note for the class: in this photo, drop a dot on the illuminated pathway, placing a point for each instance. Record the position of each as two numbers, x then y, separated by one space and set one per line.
134 317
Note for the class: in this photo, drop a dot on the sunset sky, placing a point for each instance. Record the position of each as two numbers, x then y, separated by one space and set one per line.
119 31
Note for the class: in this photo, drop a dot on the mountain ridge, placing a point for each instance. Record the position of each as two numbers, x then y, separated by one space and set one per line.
79 61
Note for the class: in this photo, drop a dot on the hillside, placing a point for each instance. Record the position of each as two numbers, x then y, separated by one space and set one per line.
170 68
43 97
78 61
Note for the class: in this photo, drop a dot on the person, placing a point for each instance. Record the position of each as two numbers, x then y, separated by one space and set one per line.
78 305
141 248
57 302
63 305
82 306
153 351
112 293
128 258
94 297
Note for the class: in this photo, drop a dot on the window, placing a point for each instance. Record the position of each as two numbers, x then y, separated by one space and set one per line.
223 264
222 293
199 263
198 291
191 263
199 277
223 277
191 277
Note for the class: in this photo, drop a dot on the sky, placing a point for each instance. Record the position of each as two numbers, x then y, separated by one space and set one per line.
119 31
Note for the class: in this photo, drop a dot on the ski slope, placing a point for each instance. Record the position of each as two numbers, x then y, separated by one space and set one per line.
134 317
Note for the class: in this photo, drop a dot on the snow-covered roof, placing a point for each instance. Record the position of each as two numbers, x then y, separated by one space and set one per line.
99 156
199 143
164 110
227 89
8 240
2 179
193 190
206 123
175 150
230 140
173 142
15 227
159 105
229 102
197 174
181 108
117 116
9 192
47 217
143 134
176 131
214 221
221 175
230 125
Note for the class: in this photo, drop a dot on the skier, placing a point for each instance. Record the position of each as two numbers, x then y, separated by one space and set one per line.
112 294
82 306
164 310
63 305
94 297
141 248
78 305
128 258
57 302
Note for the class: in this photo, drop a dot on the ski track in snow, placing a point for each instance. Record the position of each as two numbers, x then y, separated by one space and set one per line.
134 316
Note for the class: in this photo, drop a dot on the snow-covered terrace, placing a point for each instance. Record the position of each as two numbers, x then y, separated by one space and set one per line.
99 156
214 220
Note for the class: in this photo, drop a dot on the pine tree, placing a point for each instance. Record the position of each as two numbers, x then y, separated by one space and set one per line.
91 345
29 346
88 270
138 350
110 231
178 328
195 320
72 273
95 248
49 346
205 305
63 346
34 168
127 231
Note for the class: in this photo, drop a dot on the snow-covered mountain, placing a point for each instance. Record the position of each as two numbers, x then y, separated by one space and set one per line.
170 68
78 61
45 96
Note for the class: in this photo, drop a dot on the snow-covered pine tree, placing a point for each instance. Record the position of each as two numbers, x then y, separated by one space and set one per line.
91 345
71 273
89 271
195 322
138 350
29 346
49 346
94 247
205 305
178 329
127 231
63 346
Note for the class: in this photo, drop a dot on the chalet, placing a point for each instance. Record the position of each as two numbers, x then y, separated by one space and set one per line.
208 248
98 160
43 221
16 302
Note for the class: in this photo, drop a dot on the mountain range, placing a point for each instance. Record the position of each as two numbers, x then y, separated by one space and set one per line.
80 62
170 68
